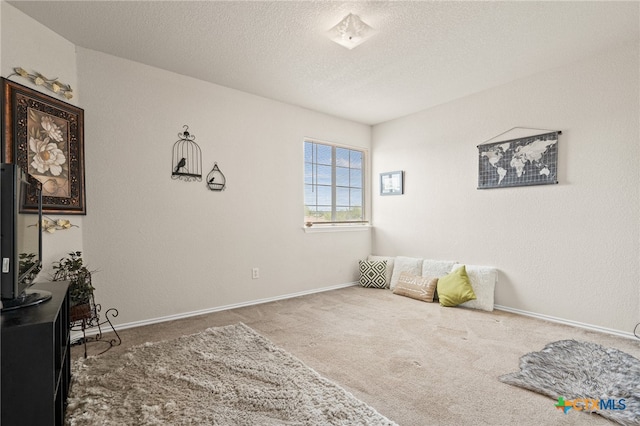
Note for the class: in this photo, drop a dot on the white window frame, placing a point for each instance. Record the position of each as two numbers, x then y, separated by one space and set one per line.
336 225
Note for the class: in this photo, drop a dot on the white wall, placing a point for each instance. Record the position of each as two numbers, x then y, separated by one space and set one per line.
166 247
570 250
26 43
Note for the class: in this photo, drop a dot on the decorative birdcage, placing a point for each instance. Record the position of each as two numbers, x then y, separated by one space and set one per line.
187 158
215 179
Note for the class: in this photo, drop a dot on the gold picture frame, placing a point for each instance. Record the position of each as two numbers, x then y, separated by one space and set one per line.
45 137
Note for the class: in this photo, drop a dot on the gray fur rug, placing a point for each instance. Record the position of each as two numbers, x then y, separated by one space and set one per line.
223 376
573 370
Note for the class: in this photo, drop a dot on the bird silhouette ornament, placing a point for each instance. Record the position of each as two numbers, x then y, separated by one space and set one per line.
180 165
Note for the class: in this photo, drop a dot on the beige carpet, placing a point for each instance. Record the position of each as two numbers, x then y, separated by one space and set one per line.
415 363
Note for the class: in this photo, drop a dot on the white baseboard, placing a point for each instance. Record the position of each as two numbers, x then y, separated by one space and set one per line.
75 336
567 322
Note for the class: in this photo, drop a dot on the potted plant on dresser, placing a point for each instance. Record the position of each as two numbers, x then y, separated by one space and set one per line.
72 269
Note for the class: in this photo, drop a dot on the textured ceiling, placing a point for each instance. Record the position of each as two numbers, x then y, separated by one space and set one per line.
424 53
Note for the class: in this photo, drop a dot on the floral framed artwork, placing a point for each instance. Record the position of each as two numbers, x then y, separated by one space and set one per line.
45 137
392 183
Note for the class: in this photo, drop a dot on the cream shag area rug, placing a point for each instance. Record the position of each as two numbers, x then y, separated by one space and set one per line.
222 376
574 370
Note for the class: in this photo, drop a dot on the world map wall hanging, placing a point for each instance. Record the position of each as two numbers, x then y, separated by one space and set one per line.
526 161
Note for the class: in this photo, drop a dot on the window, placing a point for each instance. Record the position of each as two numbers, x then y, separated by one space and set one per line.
333 183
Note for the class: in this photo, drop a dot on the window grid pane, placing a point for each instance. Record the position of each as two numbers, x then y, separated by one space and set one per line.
342 176
333 178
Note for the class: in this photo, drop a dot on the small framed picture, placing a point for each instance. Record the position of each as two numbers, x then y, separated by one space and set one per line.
392 183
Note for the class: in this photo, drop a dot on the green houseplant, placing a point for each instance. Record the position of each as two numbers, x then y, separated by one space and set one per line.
72 269
26 262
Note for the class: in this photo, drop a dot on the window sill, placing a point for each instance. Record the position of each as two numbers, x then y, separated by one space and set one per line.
336 228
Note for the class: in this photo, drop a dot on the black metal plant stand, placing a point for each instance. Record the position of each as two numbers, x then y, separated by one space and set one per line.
90 321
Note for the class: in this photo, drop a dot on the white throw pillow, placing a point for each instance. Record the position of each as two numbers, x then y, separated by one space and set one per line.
483 280
402 264
389 270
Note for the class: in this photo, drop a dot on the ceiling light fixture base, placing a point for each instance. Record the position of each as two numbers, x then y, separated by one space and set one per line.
351 32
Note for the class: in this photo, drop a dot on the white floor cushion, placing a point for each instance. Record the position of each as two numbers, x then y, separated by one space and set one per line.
436 268
402 264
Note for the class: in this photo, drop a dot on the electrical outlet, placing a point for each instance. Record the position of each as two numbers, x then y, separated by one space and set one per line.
255 273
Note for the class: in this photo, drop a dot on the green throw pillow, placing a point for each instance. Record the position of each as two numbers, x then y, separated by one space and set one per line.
455 288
